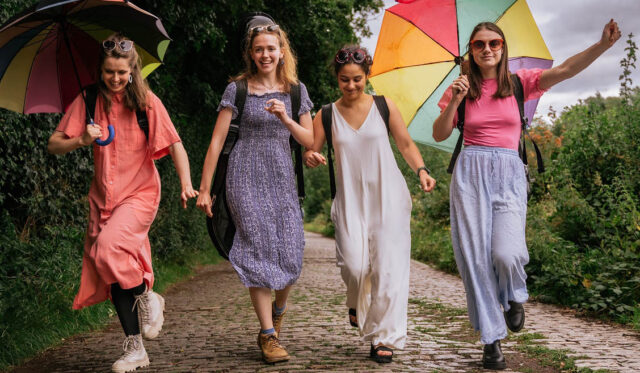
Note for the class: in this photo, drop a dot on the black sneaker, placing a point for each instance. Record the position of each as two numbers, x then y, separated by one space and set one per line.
514 317
492 357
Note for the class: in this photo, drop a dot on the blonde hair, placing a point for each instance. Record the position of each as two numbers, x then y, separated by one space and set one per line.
135 93
286 73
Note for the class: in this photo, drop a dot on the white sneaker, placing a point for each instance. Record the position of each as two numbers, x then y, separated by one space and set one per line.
135 356
150 313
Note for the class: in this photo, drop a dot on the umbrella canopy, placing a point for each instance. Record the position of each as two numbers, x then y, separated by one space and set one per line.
50 51
420 43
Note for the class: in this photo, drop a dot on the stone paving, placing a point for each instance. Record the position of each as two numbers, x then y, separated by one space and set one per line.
210 326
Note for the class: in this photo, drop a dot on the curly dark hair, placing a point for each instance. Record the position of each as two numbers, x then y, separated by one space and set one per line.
351 49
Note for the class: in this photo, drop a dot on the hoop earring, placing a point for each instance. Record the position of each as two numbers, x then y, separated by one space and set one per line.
130 78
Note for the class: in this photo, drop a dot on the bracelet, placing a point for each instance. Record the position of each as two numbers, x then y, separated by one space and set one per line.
420 169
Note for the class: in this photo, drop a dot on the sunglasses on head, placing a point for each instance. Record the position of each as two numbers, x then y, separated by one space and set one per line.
480 45
259 29
357 56
123 45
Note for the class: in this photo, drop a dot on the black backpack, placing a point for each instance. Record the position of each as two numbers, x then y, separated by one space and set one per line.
522 147
327 120
91 93
220 226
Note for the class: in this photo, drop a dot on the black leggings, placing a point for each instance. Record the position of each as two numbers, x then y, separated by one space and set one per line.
123 301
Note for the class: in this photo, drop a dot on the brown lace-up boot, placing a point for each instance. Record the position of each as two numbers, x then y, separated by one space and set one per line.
277 319
272 350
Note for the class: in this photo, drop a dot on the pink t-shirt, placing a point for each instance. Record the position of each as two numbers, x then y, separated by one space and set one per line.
495 122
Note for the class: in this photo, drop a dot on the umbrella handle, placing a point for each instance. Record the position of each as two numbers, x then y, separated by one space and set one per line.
112 133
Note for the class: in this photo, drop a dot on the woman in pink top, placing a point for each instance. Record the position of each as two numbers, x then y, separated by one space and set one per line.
124 195
488 197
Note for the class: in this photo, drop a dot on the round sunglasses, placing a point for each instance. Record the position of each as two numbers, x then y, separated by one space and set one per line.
123 45
357 56
480 45
259 29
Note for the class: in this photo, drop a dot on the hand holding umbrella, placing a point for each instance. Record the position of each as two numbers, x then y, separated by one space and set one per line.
460 87
49 52
423 42
92 133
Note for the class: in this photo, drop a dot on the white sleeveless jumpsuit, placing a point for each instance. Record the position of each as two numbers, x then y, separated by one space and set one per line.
371 213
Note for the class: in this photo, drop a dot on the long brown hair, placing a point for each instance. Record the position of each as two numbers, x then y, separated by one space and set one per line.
505 87
286 73
135 93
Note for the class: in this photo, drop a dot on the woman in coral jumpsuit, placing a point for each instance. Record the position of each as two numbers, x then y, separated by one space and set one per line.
124 195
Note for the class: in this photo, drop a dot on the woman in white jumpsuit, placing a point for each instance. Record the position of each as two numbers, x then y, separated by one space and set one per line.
372 206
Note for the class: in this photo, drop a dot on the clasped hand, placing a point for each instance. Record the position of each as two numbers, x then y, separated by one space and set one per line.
313 159
186 194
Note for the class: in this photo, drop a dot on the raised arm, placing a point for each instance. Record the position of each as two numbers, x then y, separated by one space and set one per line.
575 64
302 132
407 147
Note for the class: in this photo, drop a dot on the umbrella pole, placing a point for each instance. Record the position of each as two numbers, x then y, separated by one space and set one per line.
63 25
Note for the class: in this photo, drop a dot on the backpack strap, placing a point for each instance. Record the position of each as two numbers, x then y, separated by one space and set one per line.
241 98
381 103
327 121
220 177
460 127
296 148
518 92
143 122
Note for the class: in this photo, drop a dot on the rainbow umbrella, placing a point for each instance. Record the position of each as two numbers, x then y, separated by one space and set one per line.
420 47
49 52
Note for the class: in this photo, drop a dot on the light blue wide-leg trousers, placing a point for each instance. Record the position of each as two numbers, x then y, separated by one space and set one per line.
488 200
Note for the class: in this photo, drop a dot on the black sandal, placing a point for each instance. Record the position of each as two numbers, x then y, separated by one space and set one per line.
381 358
352 312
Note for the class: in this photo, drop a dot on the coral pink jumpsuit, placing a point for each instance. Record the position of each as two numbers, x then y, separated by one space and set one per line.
124 195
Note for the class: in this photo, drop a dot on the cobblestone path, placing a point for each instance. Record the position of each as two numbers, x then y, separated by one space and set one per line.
210 326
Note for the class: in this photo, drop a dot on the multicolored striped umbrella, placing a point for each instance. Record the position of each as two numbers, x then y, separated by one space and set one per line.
420 45
50 51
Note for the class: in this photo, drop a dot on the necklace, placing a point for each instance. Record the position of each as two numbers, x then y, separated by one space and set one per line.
268 88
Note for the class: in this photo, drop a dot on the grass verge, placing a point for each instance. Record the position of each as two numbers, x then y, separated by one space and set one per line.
52 327
531 344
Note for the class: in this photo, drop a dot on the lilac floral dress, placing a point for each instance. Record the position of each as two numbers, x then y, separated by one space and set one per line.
261 191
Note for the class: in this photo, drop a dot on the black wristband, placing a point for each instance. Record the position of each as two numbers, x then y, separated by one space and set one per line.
420 169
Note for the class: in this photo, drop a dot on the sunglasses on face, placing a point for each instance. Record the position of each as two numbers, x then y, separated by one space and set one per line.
259 29
480 45
123 45
357 56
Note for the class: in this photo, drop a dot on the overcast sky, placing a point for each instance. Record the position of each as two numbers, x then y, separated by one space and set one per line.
568 27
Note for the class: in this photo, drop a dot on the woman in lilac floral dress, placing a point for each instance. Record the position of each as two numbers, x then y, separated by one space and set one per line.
261 192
